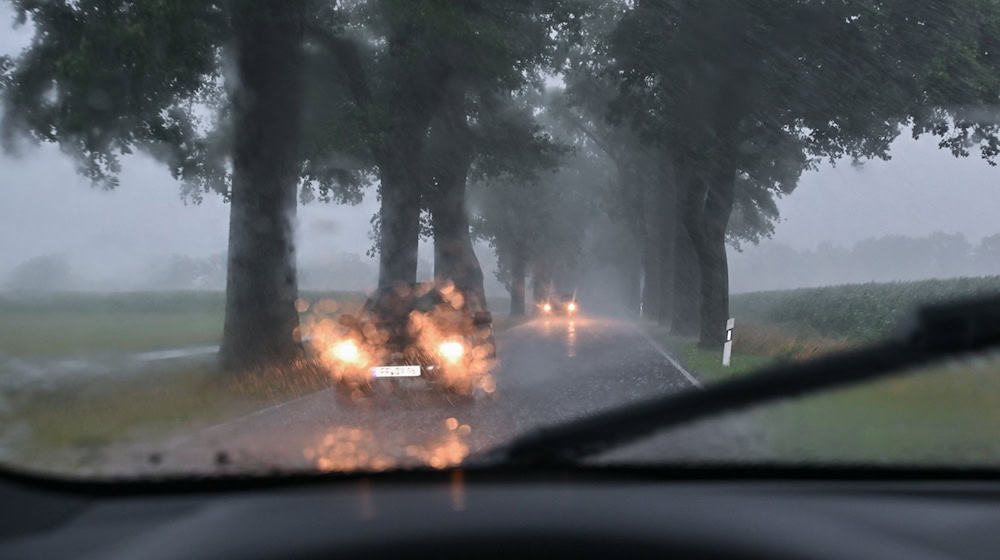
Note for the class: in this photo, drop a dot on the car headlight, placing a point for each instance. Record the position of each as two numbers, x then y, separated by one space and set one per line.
347 351
547 307
571 306
451 350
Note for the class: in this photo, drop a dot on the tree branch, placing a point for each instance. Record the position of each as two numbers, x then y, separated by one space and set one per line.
348 57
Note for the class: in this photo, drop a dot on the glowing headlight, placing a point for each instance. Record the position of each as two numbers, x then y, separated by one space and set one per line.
546 307
571 306
347 351
451 351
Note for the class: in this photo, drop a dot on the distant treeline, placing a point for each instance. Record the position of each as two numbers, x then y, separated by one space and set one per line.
61 272
342 271
773 266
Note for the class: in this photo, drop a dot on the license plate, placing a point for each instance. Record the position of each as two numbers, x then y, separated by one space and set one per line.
396 371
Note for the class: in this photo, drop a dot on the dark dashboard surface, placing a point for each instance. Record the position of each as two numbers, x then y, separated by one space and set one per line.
474 514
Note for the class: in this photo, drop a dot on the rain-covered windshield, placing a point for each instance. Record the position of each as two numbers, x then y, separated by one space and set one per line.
376 234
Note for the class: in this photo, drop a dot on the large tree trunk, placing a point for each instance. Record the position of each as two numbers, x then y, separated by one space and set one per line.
399 214
416 97
449 162
651 287
687 276
261 321
454 256
518 271
666 202
714 303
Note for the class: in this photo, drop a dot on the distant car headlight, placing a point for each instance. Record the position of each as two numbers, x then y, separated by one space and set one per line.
547 307
347 351
571 306
451 351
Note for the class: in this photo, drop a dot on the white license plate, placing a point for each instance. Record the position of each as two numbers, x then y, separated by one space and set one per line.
396 371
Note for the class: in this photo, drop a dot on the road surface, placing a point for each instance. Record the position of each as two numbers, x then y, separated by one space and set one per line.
551 370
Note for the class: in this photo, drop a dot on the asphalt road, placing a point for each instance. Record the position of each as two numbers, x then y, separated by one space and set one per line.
550 370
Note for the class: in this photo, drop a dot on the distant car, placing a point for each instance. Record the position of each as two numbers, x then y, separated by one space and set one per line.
560 304
412 337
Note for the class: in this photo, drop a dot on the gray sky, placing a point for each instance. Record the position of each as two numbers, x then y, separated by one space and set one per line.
46 208
922 189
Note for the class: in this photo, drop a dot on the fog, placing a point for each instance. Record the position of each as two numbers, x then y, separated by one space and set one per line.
139 235
112 240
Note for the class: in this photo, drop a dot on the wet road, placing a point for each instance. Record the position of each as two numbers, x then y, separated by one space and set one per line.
550 370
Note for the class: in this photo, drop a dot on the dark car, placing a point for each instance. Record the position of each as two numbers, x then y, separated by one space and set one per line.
411 337
561 304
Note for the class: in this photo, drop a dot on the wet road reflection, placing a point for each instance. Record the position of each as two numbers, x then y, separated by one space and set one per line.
550 370
571 339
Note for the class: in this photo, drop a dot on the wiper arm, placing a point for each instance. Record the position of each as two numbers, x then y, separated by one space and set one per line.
937 332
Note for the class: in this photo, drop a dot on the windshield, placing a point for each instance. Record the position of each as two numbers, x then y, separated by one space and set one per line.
372 234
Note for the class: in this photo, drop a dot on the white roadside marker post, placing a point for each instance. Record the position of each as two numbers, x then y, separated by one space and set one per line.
727 348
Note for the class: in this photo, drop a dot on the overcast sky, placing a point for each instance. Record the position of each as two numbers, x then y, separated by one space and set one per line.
46 208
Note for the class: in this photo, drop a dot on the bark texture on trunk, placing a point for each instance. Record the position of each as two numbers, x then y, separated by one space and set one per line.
399 213
666 202
416 97
454 256
261 287
714 303
687 276
401 185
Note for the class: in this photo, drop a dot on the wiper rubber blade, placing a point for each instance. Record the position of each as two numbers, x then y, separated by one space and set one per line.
937 332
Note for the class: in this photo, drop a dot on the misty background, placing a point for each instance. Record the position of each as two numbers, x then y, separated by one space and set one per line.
922 214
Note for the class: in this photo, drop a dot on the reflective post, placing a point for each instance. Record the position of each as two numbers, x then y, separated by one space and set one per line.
727 348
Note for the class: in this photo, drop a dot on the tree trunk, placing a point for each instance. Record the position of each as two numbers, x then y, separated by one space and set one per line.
399 215
450 159
518 271
714 303
651 288
454 256
666 213
687 276
260 319
399 156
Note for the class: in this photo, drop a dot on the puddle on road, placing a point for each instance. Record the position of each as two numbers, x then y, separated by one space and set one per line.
356 448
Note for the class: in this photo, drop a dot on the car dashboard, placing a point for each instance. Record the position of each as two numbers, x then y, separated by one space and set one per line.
587 513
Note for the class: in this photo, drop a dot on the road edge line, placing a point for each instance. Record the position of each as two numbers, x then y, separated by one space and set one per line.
656 346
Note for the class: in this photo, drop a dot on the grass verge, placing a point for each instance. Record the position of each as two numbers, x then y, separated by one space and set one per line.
146 406
182 395
940 415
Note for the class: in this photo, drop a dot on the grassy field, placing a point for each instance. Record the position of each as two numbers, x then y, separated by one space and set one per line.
74 324
945 414
138 402
854 312
82 416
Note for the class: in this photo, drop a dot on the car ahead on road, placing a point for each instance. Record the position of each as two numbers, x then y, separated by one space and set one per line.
547 493
414 336
561 304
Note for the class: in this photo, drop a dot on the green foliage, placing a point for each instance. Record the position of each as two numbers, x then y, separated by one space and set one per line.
105 77
858 312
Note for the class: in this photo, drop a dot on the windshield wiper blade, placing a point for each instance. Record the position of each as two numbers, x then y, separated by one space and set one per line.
937 332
